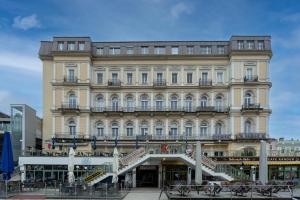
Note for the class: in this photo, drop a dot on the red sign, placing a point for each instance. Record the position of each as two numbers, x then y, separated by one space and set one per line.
164 148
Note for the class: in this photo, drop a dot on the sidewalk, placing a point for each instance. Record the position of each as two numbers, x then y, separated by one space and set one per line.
145 194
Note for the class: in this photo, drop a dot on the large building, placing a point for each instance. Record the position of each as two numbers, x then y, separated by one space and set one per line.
161 95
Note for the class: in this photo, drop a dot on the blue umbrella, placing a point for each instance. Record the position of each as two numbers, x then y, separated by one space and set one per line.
7 163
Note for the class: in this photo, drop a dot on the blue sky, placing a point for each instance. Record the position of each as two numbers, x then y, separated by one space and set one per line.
24 23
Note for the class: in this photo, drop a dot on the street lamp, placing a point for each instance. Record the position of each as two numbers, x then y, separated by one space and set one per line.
253 170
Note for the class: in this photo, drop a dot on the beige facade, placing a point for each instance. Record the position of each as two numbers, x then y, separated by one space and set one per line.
218 94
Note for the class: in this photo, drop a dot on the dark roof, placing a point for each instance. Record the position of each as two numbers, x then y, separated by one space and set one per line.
3 115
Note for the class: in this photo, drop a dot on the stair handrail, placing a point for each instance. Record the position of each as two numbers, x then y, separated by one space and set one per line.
208 162
93 176
133 156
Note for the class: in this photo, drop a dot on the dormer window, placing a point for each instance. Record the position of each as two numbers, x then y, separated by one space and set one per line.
71 46
175 50
144 50
261 45
129 50
114 50
221 49
240 44
81 46
160 50
99 51
205 49
60 46
250 44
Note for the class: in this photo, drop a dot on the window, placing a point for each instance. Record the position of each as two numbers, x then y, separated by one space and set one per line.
71 75
248 99
159 50
188 104
129 104
71 46
204 77
144 102
100 103
115 129
129 50
173 103
204 129
144 50
81 46
60 46
204 101
129 78
249 73
189 77
220 77
219 103
174 78
205 49
114 103
99 129
250 44
99 51
159 103
72 128
159 128
174 130
144 78
240 44
144 128
188 129
114 77
114 50
261 45
190 50
219 128
129 129
99 78
219 153
175 50
72 101
248 126
221 49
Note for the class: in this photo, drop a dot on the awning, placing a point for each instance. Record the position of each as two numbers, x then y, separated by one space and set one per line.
273 163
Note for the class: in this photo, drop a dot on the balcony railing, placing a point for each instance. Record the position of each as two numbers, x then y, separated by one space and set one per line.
159 83
251 106
205 82
69 106
114 83
70 79
205 109
68 135
251 135
251 78
221 137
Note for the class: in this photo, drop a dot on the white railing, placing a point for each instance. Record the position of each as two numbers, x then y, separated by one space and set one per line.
132 157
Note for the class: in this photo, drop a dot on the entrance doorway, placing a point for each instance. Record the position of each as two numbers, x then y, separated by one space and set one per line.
147 176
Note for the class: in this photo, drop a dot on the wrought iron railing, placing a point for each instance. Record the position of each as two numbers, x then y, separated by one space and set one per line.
251 78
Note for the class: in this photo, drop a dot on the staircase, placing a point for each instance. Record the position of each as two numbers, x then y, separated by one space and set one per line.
96 177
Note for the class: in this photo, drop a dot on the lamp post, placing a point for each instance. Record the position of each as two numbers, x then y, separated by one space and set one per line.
253 173
241 172
77 167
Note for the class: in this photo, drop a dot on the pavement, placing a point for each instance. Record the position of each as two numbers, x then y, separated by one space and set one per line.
145 194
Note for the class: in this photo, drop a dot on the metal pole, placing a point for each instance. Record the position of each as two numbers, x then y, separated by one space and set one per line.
6 188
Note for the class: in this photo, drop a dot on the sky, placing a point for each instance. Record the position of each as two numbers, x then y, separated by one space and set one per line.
23 24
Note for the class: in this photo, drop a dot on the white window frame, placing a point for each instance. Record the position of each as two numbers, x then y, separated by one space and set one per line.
175 50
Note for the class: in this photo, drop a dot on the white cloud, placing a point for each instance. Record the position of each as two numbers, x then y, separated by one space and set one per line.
26 22
179 9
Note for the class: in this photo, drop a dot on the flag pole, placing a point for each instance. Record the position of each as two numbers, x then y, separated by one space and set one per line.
6 188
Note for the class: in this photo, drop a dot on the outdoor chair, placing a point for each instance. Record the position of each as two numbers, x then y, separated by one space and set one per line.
240 189
212 189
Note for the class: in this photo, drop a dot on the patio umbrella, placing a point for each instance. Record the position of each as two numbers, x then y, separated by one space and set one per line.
71 177
115 165
7 162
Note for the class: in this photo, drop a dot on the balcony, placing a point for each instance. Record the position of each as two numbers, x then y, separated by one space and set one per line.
205 83
70 80
251 78
97 109
251 107
68 135
205 109
221 109
69 107
159 83
221 137
114 83
251 136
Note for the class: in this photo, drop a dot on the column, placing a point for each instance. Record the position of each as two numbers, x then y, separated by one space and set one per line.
106 127
122 127
263 163
160 176
242 124
232 126
182 127
136 100
212 99
167 128
212 126
107 100
213 74
122 100
134 178
189 176
198 167
197 128
136 126
151 128
257 124
152 100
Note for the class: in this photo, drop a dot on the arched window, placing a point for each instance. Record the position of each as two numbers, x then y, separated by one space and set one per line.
72 127
174 103
99 129
129 129
204 129
219 103
115 129
144 102
188 104
159 103
114 103
174 130
219 128
144 128
248 126
100 103
159 128
204 101
188 129
72 100
129 102
248 99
